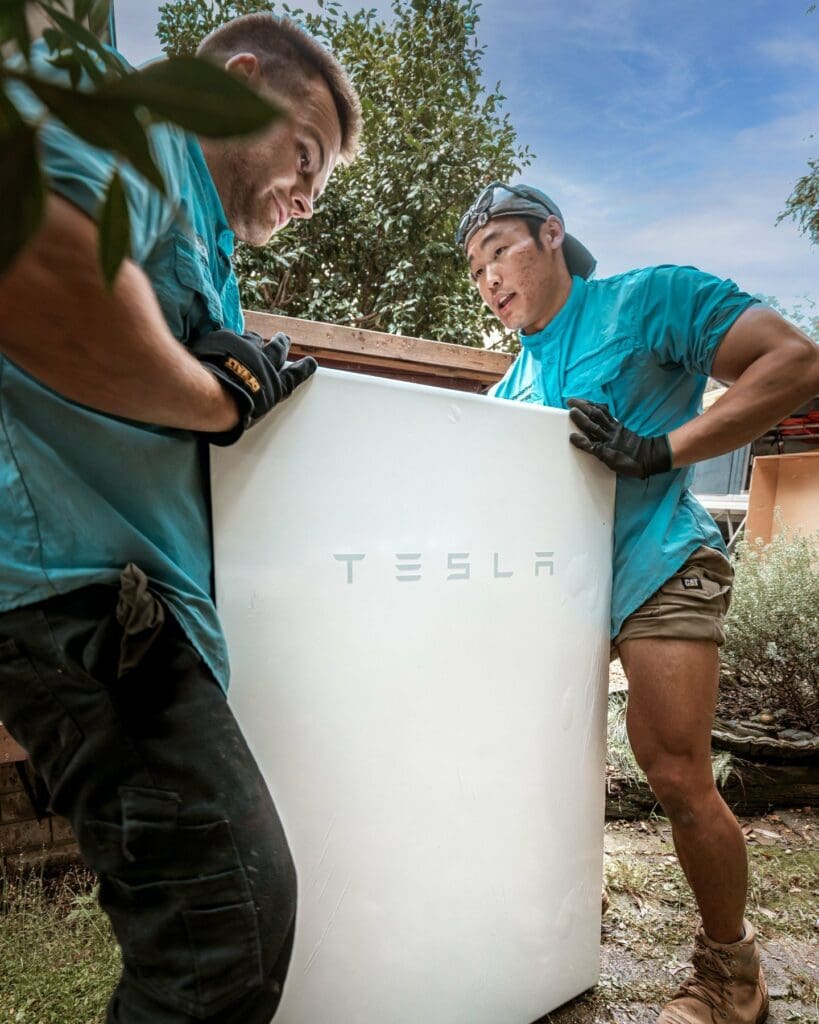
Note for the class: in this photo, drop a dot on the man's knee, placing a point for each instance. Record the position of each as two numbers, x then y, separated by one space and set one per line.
681 786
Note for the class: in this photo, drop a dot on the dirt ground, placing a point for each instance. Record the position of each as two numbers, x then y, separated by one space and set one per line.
647 931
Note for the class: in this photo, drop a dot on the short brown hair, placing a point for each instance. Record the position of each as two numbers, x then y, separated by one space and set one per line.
287 55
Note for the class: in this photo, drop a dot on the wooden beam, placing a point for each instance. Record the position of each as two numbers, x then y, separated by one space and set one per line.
389 355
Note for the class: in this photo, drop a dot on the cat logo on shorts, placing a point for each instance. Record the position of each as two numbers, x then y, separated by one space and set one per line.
692 583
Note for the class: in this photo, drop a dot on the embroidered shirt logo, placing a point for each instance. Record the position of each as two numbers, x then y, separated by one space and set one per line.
527 394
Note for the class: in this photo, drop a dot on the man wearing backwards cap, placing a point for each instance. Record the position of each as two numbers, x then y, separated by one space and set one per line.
629 356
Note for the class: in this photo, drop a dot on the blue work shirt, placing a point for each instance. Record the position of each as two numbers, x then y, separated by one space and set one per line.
642 343
83 493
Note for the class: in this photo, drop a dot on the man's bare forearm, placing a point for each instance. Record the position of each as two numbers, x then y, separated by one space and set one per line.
771 387
110 350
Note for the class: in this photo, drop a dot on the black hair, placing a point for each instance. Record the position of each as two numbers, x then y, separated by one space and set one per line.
534 224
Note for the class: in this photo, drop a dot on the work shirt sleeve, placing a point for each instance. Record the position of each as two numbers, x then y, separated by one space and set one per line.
684 314
81 173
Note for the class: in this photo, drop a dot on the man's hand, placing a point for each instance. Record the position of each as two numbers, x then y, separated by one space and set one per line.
253 371
619 448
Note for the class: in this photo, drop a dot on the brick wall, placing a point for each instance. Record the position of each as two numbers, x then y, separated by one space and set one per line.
24 841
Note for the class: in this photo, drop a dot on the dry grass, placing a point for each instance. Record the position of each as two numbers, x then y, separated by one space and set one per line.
648 930
806 988
781 896
624 874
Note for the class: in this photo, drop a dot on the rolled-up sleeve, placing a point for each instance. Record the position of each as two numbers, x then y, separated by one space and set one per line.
685 314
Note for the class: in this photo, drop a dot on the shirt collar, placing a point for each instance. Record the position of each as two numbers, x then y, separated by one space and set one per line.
225 238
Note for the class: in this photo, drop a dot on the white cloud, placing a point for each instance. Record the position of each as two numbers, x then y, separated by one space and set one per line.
792 51
790 136
647 80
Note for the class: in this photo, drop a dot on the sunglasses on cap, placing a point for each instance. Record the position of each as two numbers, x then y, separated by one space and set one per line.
498 198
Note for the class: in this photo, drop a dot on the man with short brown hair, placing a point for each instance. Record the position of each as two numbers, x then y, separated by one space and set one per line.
253 175
113 664
630 356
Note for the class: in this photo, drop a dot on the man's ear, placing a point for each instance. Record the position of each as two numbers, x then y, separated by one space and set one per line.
246 67
551 232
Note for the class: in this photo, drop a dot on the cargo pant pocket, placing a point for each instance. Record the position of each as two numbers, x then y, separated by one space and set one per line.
181 908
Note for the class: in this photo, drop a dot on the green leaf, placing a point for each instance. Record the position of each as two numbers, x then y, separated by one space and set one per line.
74 59
104 121
14 25
98 17
82 9
82 37
21 185
66 61
197 95
10 119
53 39
115 230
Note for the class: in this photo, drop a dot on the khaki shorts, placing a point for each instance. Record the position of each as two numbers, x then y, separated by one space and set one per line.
690 605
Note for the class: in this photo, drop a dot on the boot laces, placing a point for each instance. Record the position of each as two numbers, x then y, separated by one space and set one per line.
709 980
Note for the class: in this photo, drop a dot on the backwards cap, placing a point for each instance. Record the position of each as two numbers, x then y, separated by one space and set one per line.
500 200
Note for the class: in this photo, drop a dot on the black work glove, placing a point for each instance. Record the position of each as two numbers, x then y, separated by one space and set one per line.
253 371
619 448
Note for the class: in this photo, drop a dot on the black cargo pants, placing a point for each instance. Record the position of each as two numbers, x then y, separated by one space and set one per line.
138 749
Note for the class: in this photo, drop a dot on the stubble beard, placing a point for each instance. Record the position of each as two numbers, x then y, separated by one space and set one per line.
242 205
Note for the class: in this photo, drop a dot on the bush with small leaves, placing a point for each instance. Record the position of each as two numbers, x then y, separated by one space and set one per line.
772 630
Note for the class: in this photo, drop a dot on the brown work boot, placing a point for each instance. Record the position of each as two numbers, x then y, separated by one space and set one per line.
726 986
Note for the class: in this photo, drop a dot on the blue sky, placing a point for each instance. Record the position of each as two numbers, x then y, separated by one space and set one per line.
668 131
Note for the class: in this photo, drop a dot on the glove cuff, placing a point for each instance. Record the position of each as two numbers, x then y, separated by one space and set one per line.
659 460
244 404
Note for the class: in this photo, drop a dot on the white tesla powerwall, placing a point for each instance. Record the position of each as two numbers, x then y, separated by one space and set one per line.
415 588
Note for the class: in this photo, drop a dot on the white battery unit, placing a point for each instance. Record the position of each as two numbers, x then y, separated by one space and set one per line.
415 587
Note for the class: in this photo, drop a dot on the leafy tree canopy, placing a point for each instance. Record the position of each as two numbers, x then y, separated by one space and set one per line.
803 203
379 252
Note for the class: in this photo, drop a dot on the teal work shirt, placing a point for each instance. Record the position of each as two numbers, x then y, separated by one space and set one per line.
83 493
643 343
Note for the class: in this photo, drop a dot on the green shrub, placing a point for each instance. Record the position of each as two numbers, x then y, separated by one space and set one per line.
772 629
